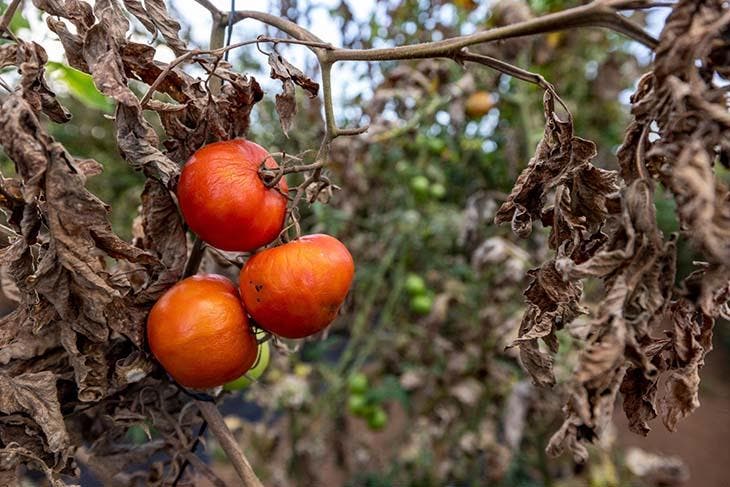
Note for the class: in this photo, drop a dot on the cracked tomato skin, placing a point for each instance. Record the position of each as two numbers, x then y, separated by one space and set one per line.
225 202
295 290
199 332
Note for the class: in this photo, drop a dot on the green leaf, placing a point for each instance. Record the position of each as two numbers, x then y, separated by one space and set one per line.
81 86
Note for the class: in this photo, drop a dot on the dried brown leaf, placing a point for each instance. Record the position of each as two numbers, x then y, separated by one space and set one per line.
286 105
155 17
35 394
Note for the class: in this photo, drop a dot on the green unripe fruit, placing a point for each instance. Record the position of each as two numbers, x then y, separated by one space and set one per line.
436 145
357 404
438 190
254 372
419 185
377 418
421 305
357 383
415 285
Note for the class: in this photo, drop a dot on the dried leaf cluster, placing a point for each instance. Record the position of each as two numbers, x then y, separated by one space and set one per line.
73 368
603 225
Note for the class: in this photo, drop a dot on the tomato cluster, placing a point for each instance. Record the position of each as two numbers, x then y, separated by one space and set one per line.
200 329
361 404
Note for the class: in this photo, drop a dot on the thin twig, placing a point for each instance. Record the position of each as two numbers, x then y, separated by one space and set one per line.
229 444
5 85
8 17
514 71
600 13
272 177
218 52
597 13
201 432
210 7
196 256
284 25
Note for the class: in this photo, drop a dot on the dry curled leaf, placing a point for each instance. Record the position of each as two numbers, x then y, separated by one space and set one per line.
35 394
600 232
154 16
286 104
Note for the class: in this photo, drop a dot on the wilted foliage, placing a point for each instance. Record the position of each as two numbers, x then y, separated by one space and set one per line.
603 231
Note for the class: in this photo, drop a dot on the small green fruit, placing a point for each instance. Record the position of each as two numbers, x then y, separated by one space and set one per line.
402 167
415 285
421 305
436 145
357 404
419 185
357 383
438 190
377 418
254 372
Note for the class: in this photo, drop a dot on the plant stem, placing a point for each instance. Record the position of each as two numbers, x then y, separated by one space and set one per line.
229 444
8 17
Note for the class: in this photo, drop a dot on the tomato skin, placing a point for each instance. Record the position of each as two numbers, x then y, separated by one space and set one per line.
225 202
199 332
296 289
478 104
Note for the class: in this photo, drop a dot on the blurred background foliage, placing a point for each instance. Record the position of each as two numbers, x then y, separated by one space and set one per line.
413 385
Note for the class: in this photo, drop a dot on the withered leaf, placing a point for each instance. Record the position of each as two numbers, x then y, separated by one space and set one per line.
164 236
30 59
18 340
154 16
691 340
89 363
289 75
35 394
639 399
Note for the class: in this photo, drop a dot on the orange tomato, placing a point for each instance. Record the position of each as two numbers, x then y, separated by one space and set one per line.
478 104
296 289
225 202
199 332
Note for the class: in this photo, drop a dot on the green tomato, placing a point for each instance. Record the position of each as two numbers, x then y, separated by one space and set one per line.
253 373
421 305
436 145
438 190
357 404
137 434
419 185
357 383
402 167
377 418
415 286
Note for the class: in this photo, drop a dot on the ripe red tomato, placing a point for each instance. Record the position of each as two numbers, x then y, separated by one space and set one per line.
225 202
200 334
296 289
